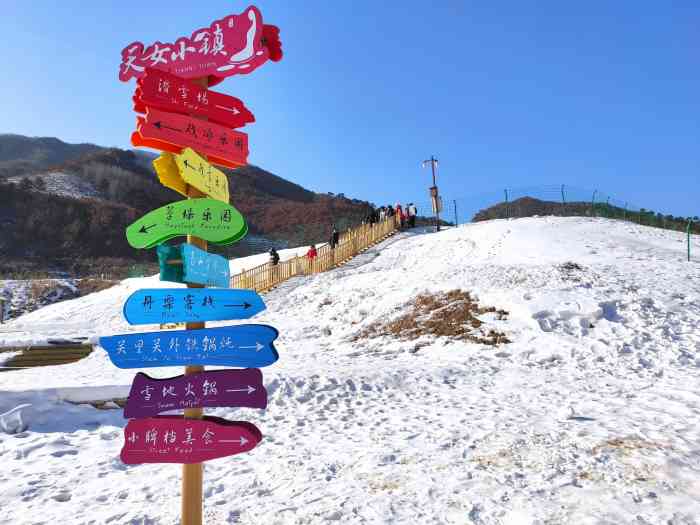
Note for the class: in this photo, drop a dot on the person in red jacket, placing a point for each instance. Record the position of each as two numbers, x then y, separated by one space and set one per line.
312 253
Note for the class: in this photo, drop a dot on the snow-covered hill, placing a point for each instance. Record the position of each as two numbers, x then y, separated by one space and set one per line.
590 415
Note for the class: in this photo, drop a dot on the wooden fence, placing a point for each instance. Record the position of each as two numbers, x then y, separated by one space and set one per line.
266 276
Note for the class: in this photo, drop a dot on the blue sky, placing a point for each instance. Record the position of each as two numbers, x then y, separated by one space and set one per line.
600 95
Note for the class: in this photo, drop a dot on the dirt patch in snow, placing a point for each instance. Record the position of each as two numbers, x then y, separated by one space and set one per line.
454 314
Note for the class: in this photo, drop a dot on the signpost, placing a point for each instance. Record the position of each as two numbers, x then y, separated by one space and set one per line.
173 132
171 439
161 90
219 388
178 305
208 219
249 345
236 44
184 118
189 264
177 171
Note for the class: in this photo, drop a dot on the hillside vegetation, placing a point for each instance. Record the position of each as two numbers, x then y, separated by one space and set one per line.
529 207
61 203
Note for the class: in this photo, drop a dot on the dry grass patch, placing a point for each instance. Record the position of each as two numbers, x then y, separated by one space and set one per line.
452 314
90 285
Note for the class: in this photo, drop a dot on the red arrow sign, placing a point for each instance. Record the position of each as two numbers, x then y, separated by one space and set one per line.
173 439
162 90
172 132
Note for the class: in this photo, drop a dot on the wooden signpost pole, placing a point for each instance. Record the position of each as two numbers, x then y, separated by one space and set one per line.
193 474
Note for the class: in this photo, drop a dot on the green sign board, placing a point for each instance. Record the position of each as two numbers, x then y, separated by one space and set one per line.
209 219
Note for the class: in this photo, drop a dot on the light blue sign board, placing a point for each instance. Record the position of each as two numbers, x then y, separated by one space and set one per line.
204 268
247 345
187 305
197 266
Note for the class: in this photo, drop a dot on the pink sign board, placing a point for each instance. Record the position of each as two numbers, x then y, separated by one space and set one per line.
162 90
236 44
174 439
173 132
219 388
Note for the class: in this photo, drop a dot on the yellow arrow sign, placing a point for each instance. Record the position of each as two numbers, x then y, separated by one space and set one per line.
177 171
168 174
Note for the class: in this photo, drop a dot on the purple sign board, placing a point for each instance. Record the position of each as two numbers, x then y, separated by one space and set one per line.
219 388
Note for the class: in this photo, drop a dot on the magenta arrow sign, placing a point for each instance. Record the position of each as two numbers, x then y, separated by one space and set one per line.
173 439
218 388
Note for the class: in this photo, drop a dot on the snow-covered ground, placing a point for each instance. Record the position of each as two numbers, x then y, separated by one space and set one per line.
590 416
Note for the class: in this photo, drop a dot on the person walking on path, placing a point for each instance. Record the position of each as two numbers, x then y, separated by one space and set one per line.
312 253
333 241
399 215
274 269
412 212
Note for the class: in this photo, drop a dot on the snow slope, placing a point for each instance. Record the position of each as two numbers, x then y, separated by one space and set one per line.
590 416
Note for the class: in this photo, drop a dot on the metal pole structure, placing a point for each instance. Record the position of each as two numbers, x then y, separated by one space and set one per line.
688 233
624 216
434 191
455 203
593 203
563 201
507 205
607 208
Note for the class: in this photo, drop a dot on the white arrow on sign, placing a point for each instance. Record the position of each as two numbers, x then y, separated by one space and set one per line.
242 441
232 110
257 347
250 389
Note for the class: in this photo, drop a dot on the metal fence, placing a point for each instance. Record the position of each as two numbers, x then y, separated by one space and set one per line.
560 200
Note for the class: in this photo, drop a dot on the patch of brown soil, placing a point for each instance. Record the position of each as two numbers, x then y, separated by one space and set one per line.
86 286
453 314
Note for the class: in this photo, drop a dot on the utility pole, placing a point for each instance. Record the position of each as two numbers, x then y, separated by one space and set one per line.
434 192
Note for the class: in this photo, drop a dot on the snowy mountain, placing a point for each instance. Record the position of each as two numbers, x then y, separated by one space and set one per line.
590 414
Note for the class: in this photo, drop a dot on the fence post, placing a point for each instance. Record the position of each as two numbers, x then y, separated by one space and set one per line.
455 203
563 201
593 203
507 206
688 233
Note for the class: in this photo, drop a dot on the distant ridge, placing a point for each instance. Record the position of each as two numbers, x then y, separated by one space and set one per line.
60 200
20 154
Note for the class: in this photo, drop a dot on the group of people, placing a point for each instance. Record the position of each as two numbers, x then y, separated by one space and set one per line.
313 252
406 214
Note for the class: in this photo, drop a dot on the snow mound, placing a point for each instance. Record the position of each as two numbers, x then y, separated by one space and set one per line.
591 414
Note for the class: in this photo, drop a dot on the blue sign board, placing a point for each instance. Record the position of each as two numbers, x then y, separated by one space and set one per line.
186 305
246 345
189 264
